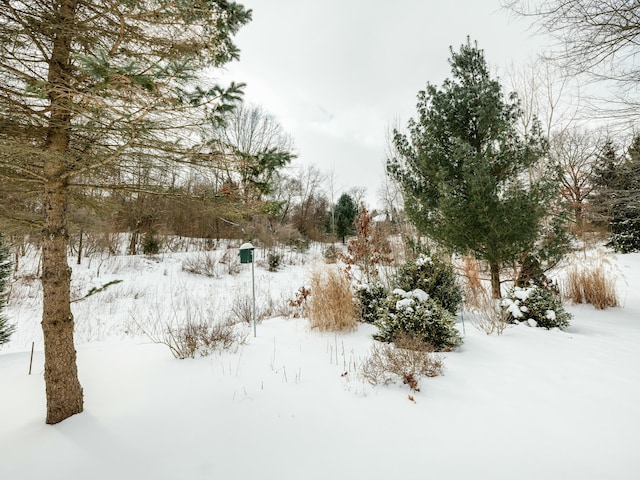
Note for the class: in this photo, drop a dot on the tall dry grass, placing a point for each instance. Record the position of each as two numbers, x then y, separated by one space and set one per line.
592 283
330 306
474 292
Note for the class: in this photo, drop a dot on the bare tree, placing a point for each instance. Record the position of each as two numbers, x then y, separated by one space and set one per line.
255 146
546 96
311 210
598 39
575 152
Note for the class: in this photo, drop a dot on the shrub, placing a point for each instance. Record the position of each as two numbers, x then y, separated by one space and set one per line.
202 338
416 314
241 310
488 315
274 259
204 263
330 254
407 359
231 259
151 245
538 306
591 285
435 277
368 298
298 305
198 337
331 307
369 249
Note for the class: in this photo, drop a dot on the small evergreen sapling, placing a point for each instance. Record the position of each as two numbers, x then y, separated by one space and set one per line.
435 277
415 314
537 306
368 299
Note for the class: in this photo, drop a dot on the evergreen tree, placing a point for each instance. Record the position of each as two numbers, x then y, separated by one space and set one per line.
603 178
617 196
5 272
345 214
462 167
103 95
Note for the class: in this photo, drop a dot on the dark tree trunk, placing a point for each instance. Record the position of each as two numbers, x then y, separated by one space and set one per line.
79 259
495 280
63 390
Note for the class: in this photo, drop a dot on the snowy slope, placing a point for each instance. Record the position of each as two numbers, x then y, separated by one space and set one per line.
530 404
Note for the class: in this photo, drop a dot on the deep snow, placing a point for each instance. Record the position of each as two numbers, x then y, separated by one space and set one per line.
529 404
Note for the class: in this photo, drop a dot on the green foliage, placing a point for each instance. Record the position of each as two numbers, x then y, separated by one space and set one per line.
415 314
274 259
368 299
462 166
345 214
5 275
434 276
151 245
330 254
538 306
625 220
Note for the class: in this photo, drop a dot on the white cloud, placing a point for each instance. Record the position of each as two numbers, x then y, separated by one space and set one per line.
336 73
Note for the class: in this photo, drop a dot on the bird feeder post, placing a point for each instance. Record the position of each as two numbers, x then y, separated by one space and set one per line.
246 256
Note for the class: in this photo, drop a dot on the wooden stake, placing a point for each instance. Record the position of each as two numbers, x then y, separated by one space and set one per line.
31 360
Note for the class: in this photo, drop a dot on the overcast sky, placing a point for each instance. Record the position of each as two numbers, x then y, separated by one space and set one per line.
338 73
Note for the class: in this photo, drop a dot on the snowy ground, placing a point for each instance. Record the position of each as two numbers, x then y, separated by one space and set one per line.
529 404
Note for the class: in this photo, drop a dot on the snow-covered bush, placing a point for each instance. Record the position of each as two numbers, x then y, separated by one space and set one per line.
416 314
434 276
368 297
537 306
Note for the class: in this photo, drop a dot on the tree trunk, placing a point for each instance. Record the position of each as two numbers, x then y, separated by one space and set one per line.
64 393
79 259
495 280
63 390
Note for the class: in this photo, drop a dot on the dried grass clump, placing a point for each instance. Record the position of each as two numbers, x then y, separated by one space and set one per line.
330 306
407 359
591 284
474 292
488 315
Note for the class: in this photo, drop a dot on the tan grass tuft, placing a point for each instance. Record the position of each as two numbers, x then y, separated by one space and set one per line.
330 306
592 283
474 291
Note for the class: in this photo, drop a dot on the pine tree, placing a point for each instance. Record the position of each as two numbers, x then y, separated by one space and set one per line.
462 167
93 93
345 213
5 273
617 196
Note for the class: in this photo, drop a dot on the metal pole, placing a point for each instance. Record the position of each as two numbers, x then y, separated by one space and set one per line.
253 288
